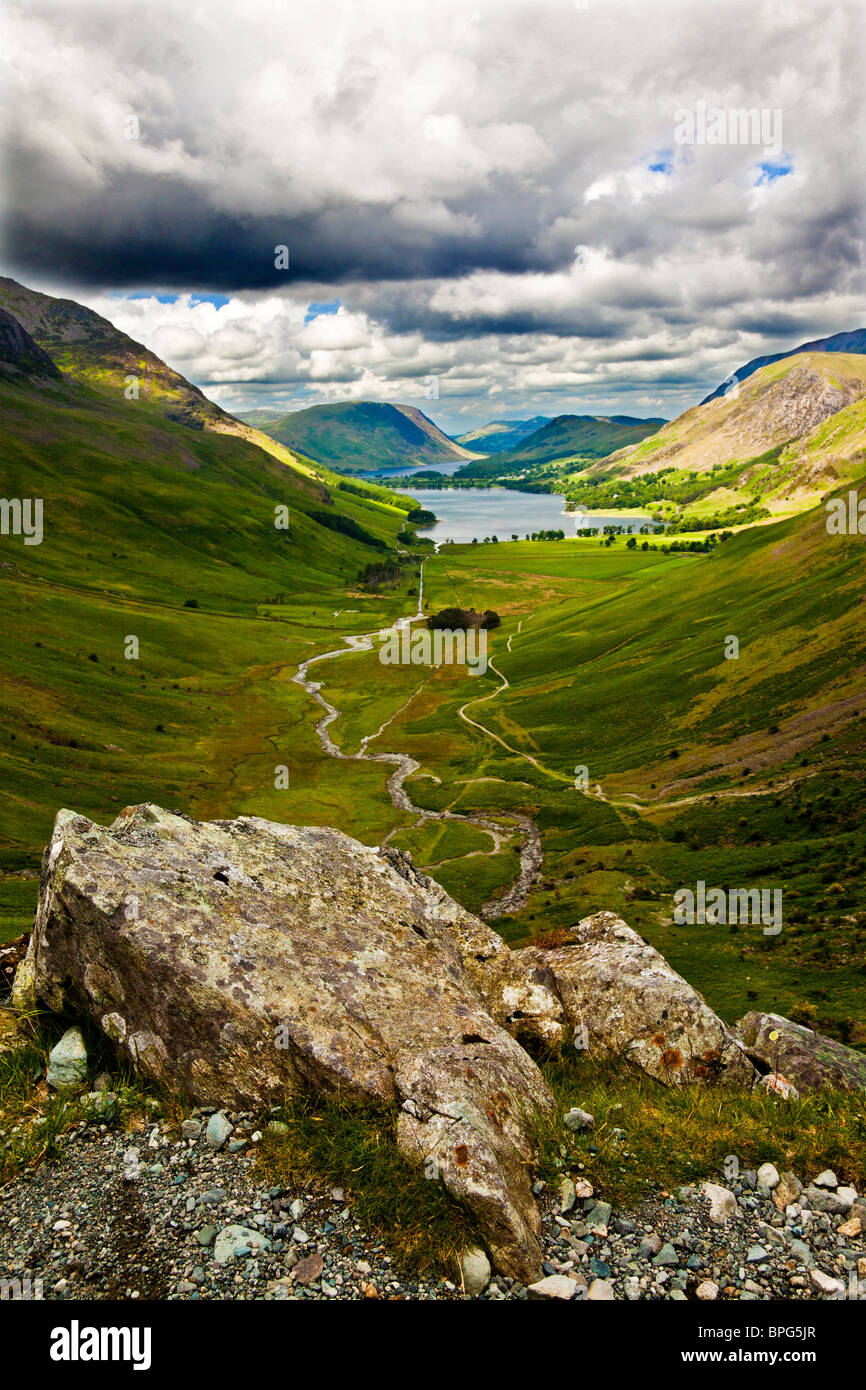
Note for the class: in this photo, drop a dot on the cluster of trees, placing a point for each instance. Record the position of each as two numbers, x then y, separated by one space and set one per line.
534 536
344 524
452 619
734 516
383 574
680 488
699 547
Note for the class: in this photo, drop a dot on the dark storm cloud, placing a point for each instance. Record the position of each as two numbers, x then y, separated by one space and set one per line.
151 231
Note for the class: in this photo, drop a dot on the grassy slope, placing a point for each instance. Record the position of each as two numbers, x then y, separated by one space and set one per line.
140 516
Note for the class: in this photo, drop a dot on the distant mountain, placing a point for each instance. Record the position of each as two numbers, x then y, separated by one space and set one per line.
499 435
363 436
567 436
794 429
855 341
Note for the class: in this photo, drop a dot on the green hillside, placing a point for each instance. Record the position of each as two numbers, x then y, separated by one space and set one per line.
363 436
167 534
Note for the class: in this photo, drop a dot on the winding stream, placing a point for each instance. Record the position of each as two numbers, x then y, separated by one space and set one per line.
405 766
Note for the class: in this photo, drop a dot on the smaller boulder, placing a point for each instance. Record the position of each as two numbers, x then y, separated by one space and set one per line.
218 1130
787 1191
833 1288
600 1291
577 1120
567 1195
827 1179
723 1203
473 1268
236 1242
557 1286
67 1062
707 1291
768 1175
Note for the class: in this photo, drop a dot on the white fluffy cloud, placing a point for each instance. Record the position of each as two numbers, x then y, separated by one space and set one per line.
495 194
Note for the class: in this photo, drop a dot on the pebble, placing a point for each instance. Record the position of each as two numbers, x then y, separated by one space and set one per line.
554 1286
577 1120
218 1130
474 1271
768 1175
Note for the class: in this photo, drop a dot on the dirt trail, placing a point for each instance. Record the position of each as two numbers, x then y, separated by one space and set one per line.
628 801
404 766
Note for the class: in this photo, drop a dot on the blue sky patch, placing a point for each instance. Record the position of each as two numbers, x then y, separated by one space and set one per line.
662 163
772 169
149 294
317 307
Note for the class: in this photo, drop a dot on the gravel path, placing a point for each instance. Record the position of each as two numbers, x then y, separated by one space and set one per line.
151 1216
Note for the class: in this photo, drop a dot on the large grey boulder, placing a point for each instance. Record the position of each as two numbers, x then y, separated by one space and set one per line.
806 1058
242 960
620 996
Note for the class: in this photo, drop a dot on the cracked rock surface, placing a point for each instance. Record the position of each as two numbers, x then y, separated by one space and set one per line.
245 960
620 996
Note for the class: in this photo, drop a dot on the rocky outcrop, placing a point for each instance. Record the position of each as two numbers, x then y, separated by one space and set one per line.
807 1059
19 354
240 961
620 996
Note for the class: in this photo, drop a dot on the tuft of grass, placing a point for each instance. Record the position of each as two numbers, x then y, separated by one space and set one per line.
334 1143
649 1136
34 1120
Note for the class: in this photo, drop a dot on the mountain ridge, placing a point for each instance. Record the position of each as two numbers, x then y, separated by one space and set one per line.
852 341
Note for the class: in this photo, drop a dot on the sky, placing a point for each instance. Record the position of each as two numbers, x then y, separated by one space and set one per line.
489 211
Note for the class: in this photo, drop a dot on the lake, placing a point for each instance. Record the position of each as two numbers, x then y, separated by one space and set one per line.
473 513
